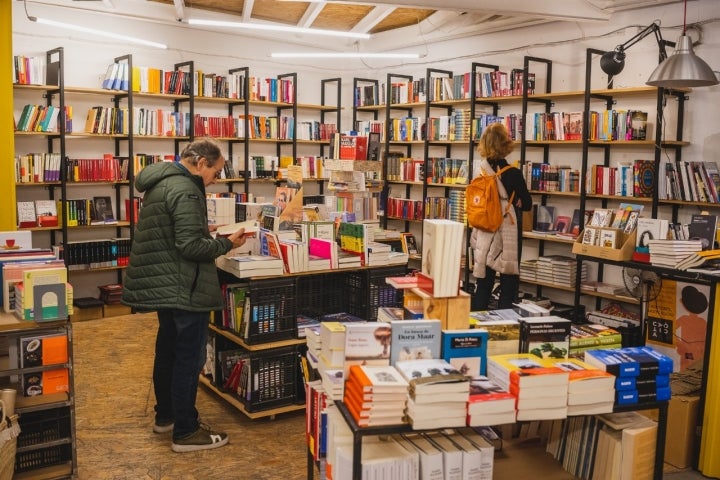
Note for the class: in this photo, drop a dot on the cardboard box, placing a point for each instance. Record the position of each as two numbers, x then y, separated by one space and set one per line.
680 437
624 252
116 310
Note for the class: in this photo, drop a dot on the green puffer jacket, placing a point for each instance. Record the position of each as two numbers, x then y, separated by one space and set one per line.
172 262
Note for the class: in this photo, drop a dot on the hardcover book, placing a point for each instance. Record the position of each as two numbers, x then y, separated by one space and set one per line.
367 341
524 370
415 339
545 337
466 350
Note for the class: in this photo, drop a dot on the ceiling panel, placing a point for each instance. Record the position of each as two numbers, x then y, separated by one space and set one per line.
335 16
402 17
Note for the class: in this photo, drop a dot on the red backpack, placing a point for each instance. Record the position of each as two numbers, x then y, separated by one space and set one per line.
484 209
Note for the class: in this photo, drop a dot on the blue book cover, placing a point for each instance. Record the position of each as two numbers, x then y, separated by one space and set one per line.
613 361
466 350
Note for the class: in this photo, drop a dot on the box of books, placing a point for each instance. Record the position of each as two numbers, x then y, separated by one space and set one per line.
605 242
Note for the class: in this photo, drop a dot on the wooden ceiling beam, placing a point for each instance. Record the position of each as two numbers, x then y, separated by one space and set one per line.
311 14
179 10
548 9
376 15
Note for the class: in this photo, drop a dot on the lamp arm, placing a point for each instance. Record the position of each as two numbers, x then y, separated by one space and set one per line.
653 28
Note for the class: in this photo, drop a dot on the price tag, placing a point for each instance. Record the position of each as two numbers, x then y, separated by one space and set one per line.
660 331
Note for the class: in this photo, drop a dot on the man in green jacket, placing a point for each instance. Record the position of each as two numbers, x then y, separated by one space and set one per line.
172 271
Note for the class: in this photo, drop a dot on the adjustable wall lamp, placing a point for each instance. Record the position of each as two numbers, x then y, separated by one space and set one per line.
682 69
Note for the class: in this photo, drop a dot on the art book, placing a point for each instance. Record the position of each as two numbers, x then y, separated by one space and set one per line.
415 339
466 350
377 379
487 396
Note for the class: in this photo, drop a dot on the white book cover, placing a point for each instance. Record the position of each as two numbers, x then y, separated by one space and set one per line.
415 339
367 341
431 458
432 375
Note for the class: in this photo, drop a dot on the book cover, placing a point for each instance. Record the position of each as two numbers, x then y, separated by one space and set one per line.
424 373
487 396
103 210
377 379
703 228
415 339
545 337
524 370
367 341
643 174
466 350
583 376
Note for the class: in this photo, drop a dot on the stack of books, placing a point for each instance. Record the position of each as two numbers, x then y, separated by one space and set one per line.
244 266
643 374
314 344
375 395
541 390
332 358
438 393
377 253
590 391
503 327
489 404
668 253
592 336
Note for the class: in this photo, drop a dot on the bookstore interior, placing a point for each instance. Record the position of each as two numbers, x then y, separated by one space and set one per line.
351 304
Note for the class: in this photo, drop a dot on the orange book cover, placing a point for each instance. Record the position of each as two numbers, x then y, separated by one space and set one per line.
55 350
54 381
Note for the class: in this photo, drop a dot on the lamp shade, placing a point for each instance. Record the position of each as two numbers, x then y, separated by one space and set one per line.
683 69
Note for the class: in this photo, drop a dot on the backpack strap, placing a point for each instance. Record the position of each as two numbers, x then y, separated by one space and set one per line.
512 195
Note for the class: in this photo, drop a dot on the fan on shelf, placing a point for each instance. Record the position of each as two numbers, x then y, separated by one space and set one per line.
642 284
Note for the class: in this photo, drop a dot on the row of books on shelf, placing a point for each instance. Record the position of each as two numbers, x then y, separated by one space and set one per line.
458 87
693 181
95 254
80 212
43 118
546 177
607 125
31 71
557 269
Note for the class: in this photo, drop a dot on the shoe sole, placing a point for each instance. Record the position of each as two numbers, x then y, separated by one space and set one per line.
180 448
163 428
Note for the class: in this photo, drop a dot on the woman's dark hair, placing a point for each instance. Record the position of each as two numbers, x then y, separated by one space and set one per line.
645 238
202 148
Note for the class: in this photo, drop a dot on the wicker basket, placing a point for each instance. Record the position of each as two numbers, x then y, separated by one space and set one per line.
9 430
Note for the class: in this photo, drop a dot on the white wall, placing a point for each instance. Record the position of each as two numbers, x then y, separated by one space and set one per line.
564 43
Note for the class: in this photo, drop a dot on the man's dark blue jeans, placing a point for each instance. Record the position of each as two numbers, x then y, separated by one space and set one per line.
180 349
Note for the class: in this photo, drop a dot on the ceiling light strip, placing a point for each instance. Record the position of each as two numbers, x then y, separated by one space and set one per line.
101 33
344 55
276 28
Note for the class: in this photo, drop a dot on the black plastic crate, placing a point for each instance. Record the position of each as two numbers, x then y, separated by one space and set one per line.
42 427
321 294
272 380
367 290
43 457
272 310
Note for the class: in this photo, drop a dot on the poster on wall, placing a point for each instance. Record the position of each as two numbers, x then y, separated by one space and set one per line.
677 322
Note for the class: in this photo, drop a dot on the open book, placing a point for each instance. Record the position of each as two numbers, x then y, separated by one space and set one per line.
251 228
